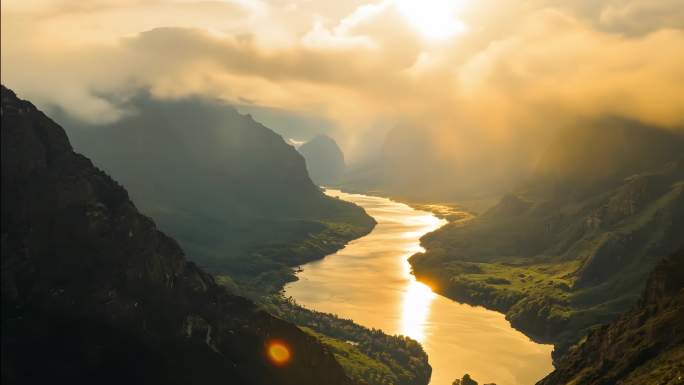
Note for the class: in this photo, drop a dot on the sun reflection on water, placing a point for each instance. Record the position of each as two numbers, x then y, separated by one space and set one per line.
370 281
417 298
415 310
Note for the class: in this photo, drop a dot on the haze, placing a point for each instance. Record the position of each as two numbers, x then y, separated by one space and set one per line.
362 67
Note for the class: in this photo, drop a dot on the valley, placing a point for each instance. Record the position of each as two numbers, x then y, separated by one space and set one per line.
370 282
321 192
562 257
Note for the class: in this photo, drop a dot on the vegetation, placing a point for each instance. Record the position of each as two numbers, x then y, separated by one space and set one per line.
93 292
356 364
466 380
366 354
263 264
643 346
233 193
560 263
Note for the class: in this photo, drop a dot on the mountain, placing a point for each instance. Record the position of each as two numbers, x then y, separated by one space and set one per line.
591 156
92 291
466 380
643 346
426 164
324 160
406 159
234 194
564 254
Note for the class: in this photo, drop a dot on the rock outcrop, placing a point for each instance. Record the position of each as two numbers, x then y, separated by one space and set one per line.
93 292
564 255
643 346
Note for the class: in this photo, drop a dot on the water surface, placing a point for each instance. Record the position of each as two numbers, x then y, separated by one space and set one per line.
370 282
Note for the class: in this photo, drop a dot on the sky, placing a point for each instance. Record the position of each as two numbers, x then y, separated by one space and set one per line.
472 74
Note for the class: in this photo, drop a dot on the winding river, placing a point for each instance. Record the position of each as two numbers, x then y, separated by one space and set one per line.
370 282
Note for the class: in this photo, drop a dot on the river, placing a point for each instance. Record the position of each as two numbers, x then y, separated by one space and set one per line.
370 282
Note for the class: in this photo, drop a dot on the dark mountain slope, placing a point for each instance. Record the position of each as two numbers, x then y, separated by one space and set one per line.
93 292
234 194
558 261
643 346
324 160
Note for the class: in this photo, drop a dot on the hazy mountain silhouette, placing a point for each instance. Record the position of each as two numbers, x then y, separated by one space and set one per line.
592 156
324 160
643 346
235 195
93 292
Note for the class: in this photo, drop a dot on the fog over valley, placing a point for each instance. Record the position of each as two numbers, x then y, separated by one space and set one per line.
363 192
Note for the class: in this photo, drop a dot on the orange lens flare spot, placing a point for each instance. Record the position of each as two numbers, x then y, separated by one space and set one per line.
278 353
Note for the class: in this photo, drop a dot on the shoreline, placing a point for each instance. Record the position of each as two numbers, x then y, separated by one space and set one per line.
537 329
456 214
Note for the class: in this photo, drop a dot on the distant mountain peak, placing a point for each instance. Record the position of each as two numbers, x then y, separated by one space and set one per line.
324 159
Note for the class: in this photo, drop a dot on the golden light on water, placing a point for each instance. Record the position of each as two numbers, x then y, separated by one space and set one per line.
278 353
417 299
427 224
415 310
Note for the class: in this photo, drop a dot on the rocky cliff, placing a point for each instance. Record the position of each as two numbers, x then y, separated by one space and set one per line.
643 346
93 292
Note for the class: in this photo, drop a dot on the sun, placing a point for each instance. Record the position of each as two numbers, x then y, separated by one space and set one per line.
434 19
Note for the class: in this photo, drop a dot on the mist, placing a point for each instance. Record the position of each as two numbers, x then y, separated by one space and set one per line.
482 102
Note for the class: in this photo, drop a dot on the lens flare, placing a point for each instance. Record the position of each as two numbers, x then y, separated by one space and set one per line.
278 353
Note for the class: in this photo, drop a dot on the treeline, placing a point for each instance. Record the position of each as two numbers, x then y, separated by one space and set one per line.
398 360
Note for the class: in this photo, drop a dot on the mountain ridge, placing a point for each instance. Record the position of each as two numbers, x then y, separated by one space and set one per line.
236 195
93 290
324 160
644 345
560 261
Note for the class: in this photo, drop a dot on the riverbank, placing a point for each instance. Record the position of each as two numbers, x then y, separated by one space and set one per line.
559 266
370 282
265 269
532 297
367 355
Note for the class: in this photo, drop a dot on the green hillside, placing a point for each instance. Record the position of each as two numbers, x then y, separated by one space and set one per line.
559 259
234 194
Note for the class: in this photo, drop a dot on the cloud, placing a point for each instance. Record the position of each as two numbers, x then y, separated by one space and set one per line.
518 68
556 61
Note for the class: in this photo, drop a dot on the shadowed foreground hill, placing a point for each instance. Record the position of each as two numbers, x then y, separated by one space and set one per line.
93 292
643 346
234 194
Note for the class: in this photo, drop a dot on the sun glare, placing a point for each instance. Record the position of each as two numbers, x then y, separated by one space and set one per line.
416 304
434 19
415 310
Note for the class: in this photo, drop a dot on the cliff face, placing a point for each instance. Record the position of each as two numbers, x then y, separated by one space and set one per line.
92 291
643 346
230 190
